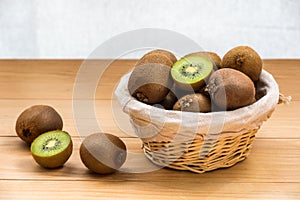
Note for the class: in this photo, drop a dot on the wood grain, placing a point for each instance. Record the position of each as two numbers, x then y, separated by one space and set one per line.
270 172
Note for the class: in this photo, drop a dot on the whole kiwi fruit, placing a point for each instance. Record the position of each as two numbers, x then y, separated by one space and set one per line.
214 57
150 83
103 153
169 54
244 59
155 57
231 89
36 120
52 149
193 103
168 102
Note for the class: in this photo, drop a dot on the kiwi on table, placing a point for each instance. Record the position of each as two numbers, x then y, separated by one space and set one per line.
231 89
36 120
215 58
103 153
193 103
150 83
52 149
169 54
158 58
191 72
244 59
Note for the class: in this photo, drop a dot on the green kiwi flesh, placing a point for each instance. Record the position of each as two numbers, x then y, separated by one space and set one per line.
36 120
52 149
191 71
103 153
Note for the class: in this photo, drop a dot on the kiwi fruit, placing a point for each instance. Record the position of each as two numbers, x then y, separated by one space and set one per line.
193 103
169 101
150 83
231 89
36 120
191 72
244 59
214 58
158 58
169 54
52 149
103 153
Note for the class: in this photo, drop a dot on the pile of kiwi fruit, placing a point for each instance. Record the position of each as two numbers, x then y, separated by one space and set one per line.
197 82
40 126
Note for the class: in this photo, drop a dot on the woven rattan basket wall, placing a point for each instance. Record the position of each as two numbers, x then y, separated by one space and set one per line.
199 142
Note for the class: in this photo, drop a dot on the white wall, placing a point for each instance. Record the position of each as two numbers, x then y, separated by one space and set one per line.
74 28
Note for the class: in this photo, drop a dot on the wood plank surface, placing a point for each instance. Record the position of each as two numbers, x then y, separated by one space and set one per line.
270 172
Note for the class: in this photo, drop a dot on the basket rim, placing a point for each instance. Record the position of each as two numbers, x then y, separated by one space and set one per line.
260 110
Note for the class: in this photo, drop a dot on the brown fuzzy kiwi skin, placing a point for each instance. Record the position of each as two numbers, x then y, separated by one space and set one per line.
36 120
150 83
231 89
193 103
169 101
103 153
214 57
169 54
244 59
57 160
158 58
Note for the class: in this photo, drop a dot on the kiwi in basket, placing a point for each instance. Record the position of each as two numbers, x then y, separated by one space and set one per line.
169 54
36 120
191 71
169 101
193 103
215 58
244 59
155 57
52 149
230 89
150 83
103 153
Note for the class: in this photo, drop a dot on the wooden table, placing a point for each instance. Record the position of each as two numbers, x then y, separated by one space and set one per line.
272 171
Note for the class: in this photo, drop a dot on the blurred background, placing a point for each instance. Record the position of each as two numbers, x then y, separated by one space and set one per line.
74 28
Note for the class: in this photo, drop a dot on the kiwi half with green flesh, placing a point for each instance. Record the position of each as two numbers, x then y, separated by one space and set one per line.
215 58
36 120
169 54
244 59
193 103
52 149
103 153
150 83
191 71
231 89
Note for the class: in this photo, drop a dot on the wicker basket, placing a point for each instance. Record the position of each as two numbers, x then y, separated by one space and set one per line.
199 142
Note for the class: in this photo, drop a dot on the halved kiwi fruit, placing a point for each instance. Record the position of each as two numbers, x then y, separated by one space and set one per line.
36 120
52 149
191 71
103 153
